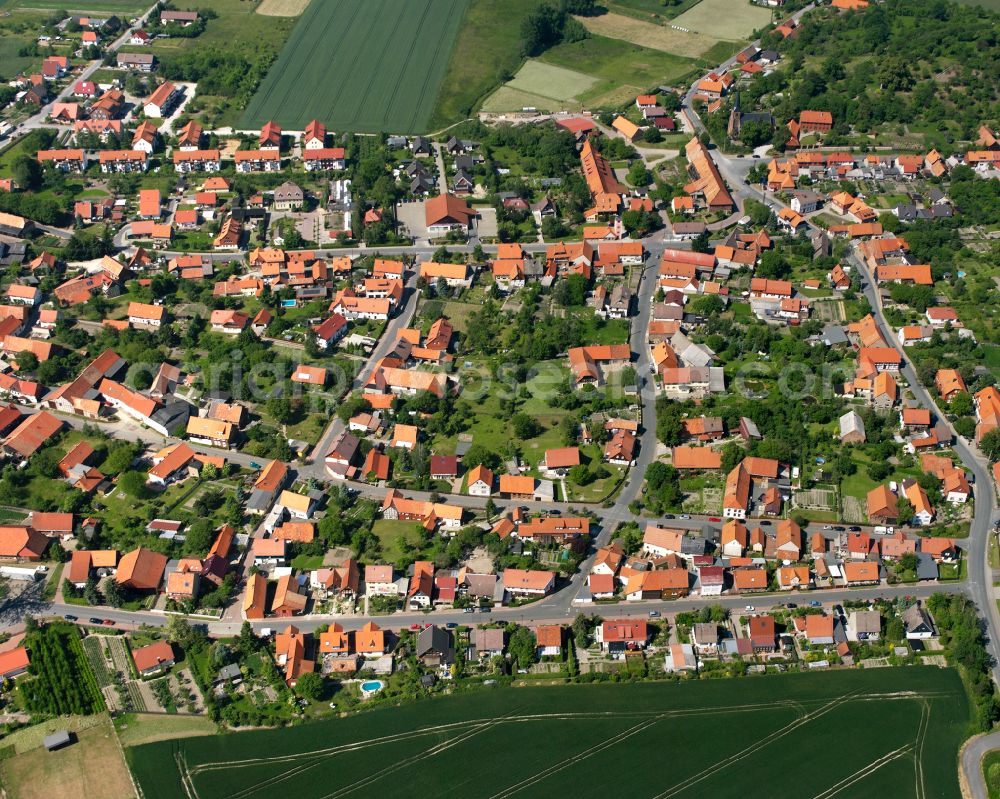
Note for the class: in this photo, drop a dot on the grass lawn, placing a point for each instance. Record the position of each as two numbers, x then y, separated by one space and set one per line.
458 313
10 61
613 60
26 145
720 51
10 515
627 28
544 385
551 733
991 771
724 19
859 484
596 72
125 518
602 331
653 9
142 728
551 437
125 7
391 532
307 562
592 454
488 428
310 428
488 48
556 82
507 98
92 766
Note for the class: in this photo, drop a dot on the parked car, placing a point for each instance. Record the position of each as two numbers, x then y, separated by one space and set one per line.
451 625
469 610
94 620
764 523
815 604
654 614
714 519
108 623
69 617
854 529
749 608
791 606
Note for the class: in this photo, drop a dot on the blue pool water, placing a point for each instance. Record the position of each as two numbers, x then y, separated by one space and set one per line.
288 303
371 686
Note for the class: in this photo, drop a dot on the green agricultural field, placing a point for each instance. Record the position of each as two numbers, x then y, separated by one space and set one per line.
724 19
883 732
372 66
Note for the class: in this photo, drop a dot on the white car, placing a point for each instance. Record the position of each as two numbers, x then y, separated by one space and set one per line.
749 608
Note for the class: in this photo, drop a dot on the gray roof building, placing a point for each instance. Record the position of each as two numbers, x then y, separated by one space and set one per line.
434 646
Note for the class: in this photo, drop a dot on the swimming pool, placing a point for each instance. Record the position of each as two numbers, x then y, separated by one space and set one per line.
370 687
288 303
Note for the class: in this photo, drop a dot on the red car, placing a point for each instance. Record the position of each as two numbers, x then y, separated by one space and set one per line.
415 627
108 623
714 519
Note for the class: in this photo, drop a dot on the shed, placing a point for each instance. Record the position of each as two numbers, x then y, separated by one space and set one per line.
57 740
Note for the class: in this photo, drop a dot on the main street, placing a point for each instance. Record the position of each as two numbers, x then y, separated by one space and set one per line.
980 580
557 608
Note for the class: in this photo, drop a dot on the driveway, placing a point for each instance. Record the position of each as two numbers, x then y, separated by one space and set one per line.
412 219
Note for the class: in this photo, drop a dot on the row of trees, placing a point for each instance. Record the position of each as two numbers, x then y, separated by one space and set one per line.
551 24
961 631
62 682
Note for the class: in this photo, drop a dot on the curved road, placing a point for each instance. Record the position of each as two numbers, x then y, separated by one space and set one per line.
972 755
